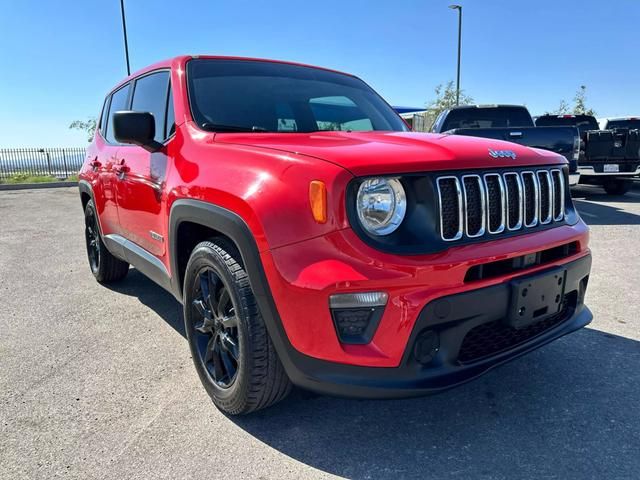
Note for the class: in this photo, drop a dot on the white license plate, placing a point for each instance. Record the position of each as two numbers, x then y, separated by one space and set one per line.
611 167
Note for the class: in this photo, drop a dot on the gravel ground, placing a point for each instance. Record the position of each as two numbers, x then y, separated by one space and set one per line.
98 382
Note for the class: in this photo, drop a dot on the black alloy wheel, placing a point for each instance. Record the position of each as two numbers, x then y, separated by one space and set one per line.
92 235
216 327
230 346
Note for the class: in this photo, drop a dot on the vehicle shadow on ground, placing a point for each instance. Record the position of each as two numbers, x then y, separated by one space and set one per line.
569 410
153 296
595 206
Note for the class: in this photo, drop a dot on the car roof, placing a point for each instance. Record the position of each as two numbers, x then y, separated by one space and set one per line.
181 59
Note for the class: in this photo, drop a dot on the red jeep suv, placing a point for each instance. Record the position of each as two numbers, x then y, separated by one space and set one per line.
314 241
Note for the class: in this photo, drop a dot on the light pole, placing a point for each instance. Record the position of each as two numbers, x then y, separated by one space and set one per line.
124 31
459 8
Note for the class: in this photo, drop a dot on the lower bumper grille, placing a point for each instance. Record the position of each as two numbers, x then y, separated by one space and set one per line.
494 337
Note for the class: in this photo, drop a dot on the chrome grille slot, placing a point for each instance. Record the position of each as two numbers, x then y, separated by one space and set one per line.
474 206
530 194
514 200
558 195
496 202
450 197
546 195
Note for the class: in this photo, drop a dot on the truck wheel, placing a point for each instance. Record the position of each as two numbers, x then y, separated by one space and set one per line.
617 187
104 266
233 354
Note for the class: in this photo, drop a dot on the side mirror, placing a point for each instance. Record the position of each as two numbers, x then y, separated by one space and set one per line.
137 128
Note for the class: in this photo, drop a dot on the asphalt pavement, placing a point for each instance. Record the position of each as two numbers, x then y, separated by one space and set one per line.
97 382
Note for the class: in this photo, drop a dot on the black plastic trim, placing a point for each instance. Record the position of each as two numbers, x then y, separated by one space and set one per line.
375 315
146 262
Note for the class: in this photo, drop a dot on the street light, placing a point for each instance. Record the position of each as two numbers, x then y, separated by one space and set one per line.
124 31
459 8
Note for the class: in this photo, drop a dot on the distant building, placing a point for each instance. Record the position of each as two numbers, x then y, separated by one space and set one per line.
418 119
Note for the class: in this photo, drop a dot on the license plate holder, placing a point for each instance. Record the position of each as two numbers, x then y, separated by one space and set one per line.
611 168
536 297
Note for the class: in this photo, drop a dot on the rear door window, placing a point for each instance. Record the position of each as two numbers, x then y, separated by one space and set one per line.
170 127
119 100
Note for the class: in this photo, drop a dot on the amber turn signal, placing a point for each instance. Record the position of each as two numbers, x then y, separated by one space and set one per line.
318 200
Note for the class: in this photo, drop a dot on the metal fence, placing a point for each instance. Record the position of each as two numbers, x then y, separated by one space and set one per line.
55 162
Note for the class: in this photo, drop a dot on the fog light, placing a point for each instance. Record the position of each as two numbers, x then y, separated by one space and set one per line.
356 315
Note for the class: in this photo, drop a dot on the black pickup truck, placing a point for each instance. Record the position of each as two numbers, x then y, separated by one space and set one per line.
514 124
609 157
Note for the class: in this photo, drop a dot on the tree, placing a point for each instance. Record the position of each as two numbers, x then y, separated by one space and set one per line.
445 98
88 126
563 108
580 103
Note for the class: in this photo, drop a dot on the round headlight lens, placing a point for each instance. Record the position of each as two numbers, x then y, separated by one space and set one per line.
381 205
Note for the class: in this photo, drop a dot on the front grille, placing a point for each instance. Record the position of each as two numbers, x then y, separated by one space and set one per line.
494 337
472 206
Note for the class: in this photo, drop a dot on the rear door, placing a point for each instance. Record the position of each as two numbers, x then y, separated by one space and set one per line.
105 161
141 174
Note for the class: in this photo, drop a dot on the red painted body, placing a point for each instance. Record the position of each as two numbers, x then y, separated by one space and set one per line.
264 178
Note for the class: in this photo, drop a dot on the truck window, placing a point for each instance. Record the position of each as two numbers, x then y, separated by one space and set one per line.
489 117
631 123
255 96
582 122
150 95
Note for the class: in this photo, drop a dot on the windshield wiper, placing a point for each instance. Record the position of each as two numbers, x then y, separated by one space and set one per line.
217 127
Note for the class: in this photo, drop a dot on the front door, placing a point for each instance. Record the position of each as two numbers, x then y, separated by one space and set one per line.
140 175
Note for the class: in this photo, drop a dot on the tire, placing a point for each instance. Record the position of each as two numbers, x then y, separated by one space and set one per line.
105 267
617 187
230 346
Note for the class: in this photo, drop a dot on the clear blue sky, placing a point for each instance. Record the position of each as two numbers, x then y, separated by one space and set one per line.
59 58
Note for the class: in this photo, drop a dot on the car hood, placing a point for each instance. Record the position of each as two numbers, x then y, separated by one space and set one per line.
373 153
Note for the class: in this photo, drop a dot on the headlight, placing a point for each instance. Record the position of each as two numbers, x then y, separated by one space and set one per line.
381 205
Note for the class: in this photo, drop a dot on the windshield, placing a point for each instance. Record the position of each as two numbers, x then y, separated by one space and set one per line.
257 96
489 117
631 123
583 122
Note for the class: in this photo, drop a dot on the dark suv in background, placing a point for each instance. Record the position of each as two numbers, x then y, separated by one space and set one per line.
609 157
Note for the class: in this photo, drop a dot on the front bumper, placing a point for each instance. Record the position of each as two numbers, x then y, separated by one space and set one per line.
589 171
453 317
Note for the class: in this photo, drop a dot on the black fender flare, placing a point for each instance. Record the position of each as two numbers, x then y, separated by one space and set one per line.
223 221
85 187
234 227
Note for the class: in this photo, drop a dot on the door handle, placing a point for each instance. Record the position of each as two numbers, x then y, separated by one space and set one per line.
515 134
95 164
121 168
